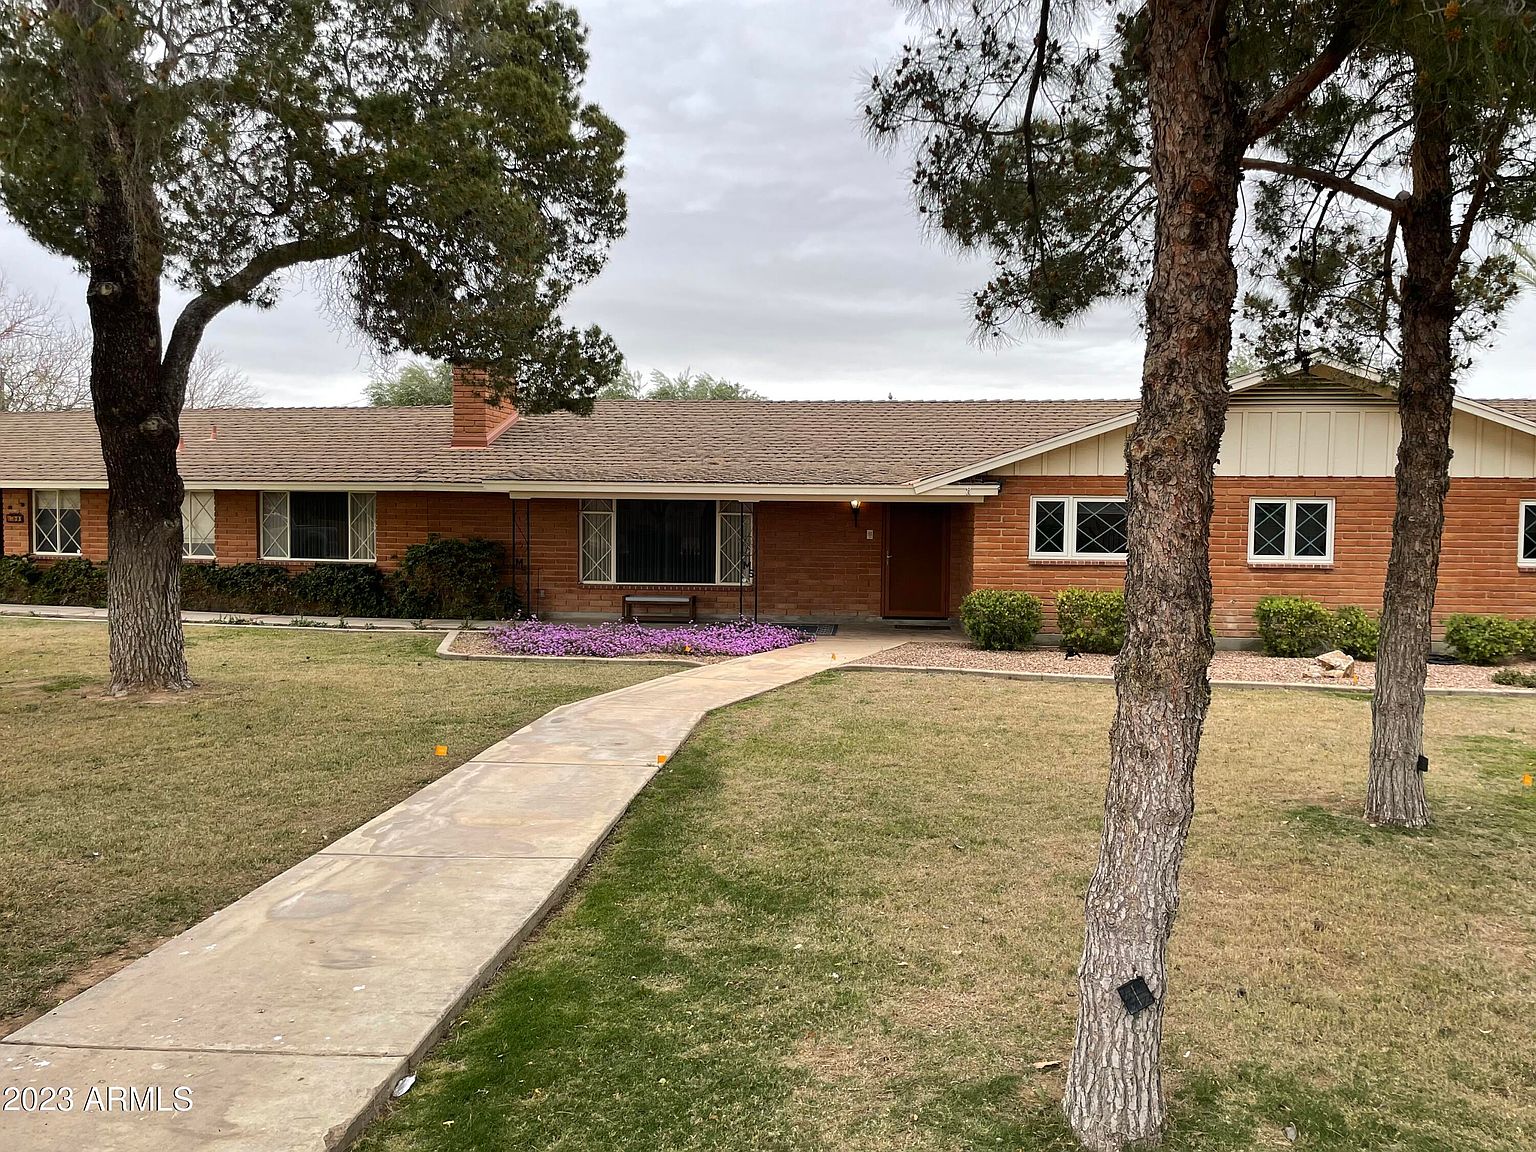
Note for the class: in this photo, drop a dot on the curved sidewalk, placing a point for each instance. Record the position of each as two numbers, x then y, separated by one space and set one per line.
288 1017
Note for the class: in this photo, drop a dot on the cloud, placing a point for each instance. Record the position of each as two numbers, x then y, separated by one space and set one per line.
768 241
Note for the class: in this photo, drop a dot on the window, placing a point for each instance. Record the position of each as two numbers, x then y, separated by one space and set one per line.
665 542
1077 528
318 526
56 522
1528 532
197 526
734 558
1290 531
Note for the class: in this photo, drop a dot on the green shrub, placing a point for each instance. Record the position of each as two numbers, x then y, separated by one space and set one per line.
1294 625
1514 678
1000 620
1527 639
1092 619
1484 639
1355 632
74 581
447 577
239 588
17 576
342 590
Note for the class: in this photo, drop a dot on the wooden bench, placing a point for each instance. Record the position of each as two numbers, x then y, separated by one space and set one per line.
658 608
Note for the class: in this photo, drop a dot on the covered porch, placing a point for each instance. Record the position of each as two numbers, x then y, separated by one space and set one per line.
810 558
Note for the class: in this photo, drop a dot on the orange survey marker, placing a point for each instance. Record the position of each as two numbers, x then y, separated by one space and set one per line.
441 750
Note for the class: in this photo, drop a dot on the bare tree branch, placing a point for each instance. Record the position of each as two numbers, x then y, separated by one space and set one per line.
1274 111
1324 179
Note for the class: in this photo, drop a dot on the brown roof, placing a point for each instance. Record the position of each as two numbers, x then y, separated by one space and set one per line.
624 441
1522 409
876 442
835 442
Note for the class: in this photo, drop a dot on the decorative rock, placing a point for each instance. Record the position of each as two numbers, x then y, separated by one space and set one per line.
1336 662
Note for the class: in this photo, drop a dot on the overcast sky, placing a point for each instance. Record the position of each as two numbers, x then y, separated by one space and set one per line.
768 242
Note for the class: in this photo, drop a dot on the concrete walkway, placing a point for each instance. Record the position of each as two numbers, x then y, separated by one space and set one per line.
288 1017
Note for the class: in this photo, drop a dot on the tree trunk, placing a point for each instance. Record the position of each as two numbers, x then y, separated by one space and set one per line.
1395 793
137 409
1114 1085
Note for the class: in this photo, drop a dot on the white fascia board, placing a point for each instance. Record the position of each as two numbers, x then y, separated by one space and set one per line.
1088 432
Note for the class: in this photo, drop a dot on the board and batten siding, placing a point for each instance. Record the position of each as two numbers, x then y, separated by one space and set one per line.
1357 438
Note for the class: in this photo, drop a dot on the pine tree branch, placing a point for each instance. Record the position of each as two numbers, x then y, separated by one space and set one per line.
1323 179
201 309
1273 112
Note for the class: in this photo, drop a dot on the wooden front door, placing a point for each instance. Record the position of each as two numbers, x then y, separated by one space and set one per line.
916 582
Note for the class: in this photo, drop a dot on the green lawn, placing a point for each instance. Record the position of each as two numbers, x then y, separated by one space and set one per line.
847 916
123 821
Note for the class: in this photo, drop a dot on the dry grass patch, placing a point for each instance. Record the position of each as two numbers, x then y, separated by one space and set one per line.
848 914
122 821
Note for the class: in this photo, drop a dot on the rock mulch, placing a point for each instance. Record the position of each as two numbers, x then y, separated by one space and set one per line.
1252 667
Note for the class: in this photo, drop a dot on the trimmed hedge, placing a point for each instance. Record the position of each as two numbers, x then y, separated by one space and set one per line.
1355 632
1092 619
1000 620
1294 625
443 577
1490 639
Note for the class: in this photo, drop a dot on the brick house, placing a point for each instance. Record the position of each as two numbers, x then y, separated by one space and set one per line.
808 510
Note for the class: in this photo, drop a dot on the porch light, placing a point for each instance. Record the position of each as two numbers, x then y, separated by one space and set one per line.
855 505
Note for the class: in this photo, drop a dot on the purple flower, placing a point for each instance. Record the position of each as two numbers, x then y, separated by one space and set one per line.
534 637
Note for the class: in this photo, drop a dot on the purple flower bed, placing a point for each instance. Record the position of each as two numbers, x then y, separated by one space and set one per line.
743 638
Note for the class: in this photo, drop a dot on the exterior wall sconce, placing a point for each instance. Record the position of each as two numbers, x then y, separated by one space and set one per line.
855 505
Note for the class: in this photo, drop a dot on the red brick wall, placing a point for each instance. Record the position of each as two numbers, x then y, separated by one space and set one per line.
93 523
813 560
1478 570
17 536
403 519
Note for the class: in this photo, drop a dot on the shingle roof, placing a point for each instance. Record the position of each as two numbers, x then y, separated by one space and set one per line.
635 441
875 442
1523 409
832 442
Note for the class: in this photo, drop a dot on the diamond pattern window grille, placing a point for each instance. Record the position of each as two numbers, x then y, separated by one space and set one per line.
1528 535
1051 527
362 524
56 522
1311 530
1101 528
197 525
597 541
735 536
1269 529
274 525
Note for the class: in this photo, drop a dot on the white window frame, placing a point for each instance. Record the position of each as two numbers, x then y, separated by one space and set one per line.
1527 511
592 511
595 512
362 509
209 503
742 512
1069 534
1290 559
56 506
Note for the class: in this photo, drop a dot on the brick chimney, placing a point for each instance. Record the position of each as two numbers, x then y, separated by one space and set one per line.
477 421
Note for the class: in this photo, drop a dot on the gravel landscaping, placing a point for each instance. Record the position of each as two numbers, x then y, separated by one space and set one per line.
1245 666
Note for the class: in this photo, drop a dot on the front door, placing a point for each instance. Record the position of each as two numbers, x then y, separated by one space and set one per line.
916 583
